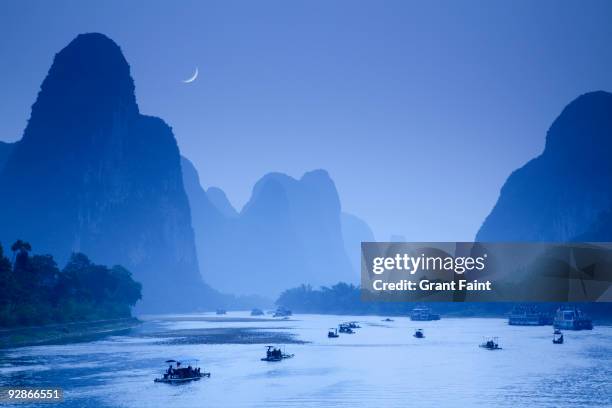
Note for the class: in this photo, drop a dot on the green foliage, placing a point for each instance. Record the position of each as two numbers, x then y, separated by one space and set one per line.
34 291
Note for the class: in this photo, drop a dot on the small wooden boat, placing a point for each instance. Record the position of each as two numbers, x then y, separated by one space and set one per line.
557 337
275 354
181 372
490 344
257 312
282 312
344 328
333 333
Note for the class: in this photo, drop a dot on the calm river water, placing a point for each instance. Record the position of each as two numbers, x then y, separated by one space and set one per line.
382 365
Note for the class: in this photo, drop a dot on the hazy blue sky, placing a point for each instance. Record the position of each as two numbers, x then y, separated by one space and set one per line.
419 110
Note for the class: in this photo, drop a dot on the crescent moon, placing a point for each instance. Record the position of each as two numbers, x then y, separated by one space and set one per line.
193 78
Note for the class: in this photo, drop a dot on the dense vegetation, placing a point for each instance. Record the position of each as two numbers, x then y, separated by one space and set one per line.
344 298
34 291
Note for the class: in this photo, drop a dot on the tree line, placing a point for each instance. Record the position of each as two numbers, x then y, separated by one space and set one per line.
343 298
34 291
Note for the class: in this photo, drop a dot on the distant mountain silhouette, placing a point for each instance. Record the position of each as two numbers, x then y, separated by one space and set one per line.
566 192
354 232
92 174
218 198
288 233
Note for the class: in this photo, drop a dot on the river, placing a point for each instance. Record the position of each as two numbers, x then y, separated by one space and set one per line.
381 365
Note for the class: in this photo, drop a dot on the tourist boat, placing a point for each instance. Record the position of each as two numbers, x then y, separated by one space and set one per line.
181 372
257 312
490 344
221 311
282 312
333 333
572 318
527 315
557 337
419 334
422 314
344 328
275 354
353 325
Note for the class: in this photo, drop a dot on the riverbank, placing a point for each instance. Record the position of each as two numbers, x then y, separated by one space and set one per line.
64 332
